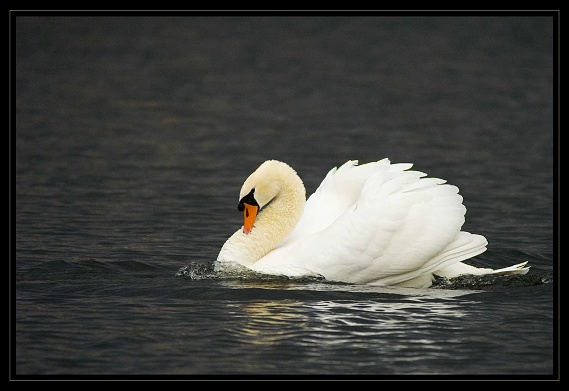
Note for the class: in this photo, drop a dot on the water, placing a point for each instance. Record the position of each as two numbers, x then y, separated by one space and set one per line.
133 137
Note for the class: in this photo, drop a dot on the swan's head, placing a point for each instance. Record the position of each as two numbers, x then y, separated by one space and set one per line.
262 187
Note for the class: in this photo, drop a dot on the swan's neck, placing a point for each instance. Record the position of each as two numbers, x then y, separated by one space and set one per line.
274 222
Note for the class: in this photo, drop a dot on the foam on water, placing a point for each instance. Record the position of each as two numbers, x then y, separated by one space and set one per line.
233 270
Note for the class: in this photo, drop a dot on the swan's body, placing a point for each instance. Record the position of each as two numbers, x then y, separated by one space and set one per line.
377 223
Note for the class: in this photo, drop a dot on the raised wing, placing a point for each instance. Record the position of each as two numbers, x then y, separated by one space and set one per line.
379 223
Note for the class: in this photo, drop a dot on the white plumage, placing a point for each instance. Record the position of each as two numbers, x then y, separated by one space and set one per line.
377 223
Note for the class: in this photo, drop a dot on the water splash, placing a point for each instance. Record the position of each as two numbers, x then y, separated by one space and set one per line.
233 271
489 281
197 271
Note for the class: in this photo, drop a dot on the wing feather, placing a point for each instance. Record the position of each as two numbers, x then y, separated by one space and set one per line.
379 223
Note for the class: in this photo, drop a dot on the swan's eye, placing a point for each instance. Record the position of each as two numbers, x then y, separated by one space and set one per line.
248 199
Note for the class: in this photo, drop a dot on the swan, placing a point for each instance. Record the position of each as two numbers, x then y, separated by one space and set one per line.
377 223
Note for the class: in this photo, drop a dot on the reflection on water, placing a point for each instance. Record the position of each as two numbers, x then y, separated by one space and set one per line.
341 333
341 323
325 286
268 323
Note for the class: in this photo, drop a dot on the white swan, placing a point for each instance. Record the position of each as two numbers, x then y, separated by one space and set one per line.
376 223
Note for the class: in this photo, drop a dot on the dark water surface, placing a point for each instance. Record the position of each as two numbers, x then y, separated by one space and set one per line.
134 135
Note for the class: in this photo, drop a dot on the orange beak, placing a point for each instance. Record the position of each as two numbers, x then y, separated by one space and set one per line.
249 216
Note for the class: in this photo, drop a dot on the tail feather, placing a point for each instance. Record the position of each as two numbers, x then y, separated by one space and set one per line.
466 246
519 268
461 268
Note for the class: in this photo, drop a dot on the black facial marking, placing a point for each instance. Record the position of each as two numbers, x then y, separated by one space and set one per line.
248 199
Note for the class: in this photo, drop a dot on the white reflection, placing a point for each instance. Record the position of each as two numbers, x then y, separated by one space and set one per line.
325 286
272 321
392 321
